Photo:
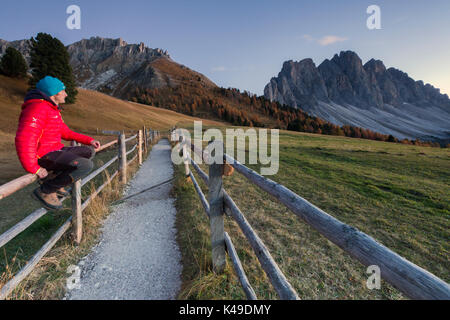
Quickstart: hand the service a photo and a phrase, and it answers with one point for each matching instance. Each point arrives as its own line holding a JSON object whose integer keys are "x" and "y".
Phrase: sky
{"x": 243, "y": 44}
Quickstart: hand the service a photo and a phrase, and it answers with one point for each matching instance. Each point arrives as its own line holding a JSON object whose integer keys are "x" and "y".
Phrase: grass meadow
{"x": 398, "y": 194}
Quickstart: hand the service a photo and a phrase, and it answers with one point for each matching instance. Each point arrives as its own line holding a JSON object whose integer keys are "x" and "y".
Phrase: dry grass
{"x": 198, "y": 279}
{"x": 91, "y": 111}
{"x": 392, "y": 192}
{"x": 180, "y": 73}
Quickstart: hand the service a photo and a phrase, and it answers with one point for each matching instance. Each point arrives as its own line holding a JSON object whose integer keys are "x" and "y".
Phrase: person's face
{"x": 60, "y": 97}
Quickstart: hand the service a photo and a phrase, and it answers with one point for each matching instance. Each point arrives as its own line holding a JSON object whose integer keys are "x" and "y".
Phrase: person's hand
{"x": 95, "y": 144}
{"x": 42, "y": 173}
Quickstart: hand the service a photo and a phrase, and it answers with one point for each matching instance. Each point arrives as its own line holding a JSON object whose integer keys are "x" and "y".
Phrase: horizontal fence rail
{"x": 132, "y": 159}
{"x": 11, "y": 284}
{"x": 111, "y": 132}
{"x": 107, "y": 145}
{"x": 75, "y": 221}
{"x": 131, "y": 138}
{"x": 22, "y": 225}
{"x": 16, "y": 184}
{"x": 98, "y": 171}
{"x": 132, "y": 149}
{"x": 410, "y": 279}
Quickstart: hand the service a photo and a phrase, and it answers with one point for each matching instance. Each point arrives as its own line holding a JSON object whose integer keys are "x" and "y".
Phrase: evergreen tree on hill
{"x": 49, "y": 57}
{"x": 13, "y": 64}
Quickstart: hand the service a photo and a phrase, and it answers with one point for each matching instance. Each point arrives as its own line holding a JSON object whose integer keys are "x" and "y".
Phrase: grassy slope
{"x": 395, "y": 193}
{"x": 91, "y": 111}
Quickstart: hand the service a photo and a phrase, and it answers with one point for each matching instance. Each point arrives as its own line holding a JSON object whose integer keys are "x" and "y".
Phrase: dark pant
{"x": 67, "y": 165}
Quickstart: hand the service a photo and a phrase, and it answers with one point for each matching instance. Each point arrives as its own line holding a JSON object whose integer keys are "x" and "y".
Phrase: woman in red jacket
{"x": 39, "y": 147}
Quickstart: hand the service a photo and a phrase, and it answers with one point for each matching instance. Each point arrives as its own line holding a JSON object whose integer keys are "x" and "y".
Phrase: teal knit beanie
{"x": 50, "y": 85}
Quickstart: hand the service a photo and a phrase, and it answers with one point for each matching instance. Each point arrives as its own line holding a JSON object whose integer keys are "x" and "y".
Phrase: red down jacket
{"x": 40, "y": 130}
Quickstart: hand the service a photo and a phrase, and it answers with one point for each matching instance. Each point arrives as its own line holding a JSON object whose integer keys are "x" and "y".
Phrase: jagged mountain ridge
{"x": 24, "y": 46}
{"x": 344, "y": 91}
{"x": 115, "y": 67}
{"x": 100, "y": 63}
{"x": 118, "y": 68}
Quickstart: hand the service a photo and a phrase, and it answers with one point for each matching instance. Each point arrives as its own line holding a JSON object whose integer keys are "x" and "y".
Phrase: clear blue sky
{"x": 243, "y": 44}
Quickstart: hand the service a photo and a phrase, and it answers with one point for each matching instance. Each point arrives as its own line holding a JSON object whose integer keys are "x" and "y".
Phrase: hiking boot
{"x": 62, "y": 192}
{"x": 49, "y": 200}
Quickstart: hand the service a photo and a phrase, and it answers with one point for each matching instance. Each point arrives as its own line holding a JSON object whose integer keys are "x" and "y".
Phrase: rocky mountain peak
{"x": 343, "y": 81}
{"x": 102, "y": 63}
{"x": 375, "y": 66}
{"x": 347, "y": 58}
{"x": 24, "y": 46}
{"x": 288, "y": 65}
{"x": 122, "y": 43}
{"x": 351, "y": 64}
{"x": 304, "y": 77}
{"x": 141, "y": 47}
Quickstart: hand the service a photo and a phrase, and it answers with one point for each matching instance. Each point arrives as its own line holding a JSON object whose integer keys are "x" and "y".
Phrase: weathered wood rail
{"x": 412, "y": 280}
{"x": 144, "y": 137}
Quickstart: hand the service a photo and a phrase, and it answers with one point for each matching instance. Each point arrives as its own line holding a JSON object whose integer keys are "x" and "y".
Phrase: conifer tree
{"x": 13, "y": 64}
{"x": 49, "y": 57}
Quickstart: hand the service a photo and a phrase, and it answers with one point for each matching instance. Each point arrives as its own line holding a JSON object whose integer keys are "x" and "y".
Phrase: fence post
{"x": 77, "y": 217}
{"x": 144, "y": 132}
{"x": 122, "y": 158}
{"x": 185, "y": 156}
{"x": 140, "y": 146}
{"x": 215, "y": 198}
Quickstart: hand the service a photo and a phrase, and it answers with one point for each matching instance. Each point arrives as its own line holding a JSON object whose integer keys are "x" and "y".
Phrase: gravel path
{"x": 137, "y": 256}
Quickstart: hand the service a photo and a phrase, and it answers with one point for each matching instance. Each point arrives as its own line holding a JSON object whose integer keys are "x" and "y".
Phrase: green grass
{"x": 397, "y": 194}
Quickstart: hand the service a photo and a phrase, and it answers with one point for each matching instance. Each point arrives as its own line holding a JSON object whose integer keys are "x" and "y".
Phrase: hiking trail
{"x": 137, "y": 256}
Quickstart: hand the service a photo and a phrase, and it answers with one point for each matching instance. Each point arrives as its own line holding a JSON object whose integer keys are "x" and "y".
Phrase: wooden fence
{"x": 144, "y": 138}
{"x": 410, "y": 279}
